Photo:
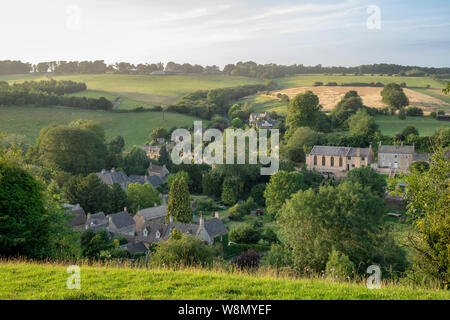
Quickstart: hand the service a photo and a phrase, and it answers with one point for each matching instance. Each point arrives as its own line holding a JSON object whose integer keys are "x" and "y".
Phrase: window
{"x": 362, "y": 158}
{"x": 406, "y": 156}
{"x": 323, "y": 160}
{"x": 395, "y": 156}
{"x": 349, "y": 158}
{"x": 145, "y": 233}
{"x": 340, "y": 162}
{"x": 158, "y": 235}
{"x": 315, "y": 160}
{"x": 332, "y": 161}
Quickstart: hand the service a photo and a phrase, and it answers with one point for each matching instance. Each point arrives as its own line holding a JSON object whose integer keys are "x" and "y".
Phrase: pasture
{"x": 391, "y": 125}
{"x": 21, "y": 280}
{"x": 144, "y": 90}
{"x": 134, "y": 127}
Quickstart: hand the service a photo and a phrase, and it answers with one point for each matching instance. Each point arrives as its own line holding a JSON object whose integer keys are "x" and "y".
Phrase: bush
{"x": 414, "y": 112}
{"x": 318, "y": 84}
{"x": 248, "y": 259}
{"x": 433, "y": 114}
{"x": 245, "y": 234}
{"x": 257, "y": 193}
{"x": 339, "y": 265}
{"x": 235, "y": 213}
{"x": 235, "y": 249}
{"x": 269, "y": 236}
{"x": 278, "y": 257}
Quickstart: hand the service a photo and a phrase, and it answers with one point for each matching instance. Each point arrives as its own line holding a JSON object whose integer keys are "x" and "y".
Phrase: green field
{"x": 145, "y": 90}
{"x": 134, "y": 127}
{"x": 309, "y": 79}
{"x": 391, "y": 125}
{"x": 20, "y": 280}
{"x": 262, "y": 103}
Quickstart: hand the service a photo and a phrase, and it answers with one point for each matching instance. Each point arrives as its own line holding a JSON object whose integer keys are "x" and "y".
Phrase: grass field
{"x": 145, "y": 90}
{"x": 309, "y": 79}
{"x": 262, "y": 103}
{"x": 134, "y": 127}
{"x": 391, "y": 125}
{"x": 19, "y": 280}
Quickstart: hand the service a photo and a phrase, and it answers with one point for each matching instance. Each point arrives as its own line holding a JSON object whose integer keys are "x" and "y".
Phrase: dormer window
{"x": 145, "y": 233}
{"x": 158, "y": 235}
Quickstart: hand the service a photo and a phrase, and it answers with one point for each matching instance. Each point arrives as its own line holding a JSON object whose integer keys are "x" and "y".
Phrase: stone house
{"x": 78, "y": 215}
{"x": 338, "y": 161}
{"x": 393, "y": 159}
{"x": 161, "y": 171}
{"x": 258, "y": 116}
{"x": 96, "y": 221}
{"x": 121, "y": 223}
{"x": 111, "y": 177}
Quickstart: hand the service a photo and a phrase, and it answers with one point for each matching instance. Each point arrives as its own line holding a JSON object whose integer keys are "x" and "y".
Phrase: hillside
{"x": 20, "y": 280}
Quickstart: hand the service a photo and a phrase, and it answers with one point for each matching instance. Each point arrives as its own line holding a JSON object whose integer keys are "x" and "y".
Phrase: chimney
{"x": 202, "y": 221}
{"x": 216, "y": 215}
{"x": 113, "y": 170}
{"x": 170, "y": 219}
{"x": 358, "y": 152}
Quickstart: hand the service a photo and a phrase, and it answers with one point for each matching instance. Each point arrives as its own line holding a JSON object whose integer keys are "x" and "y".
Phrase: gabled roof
{"x": 110, "y": 178}
{"x": 396, "y": 149}
{"x": 339, "y": 151}
{"x": 155, "y": 180}
{"x": 421, "y": 157}
{"x": 215, "y": 227}
{"x": 153, "y": 212}
{"x": 134, "y": 248}
{"x": 122, "y": 219}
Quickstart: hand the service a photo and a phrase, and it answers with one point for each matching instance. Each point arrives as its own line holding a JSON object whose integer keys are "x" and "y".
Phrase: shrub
{"x": 235, "y": 213}
{"x": 278, "y": 257}
{"x": 269, "y": 236}
{"x": 339, "y": 265}
{"x": 318, "y": 84}
{"x": 414, "y": 112}
{"x": 433, "y": 114}
{"x": 257, "y": 193}
{"x": 248, "y": 259}
{"x": 245, "y": 234}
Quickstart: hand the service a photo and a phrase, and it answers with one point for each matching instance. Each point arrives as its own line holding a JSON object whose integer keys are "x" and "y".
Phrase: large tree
{"x": 362, "y": 124}
{"x": 368, "y": 177}
{"x": 142, "y": 196}
{"x": 428, "y": 194}
{"x": 179, "y": 206}
{"x": 303, "y": 111}
{"x": 136, "y": 162}
{"x": 393, "y": 95}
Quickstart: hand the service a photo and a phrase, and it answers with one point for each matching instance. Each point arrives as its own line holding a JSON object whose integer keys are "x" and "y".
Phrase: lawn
{"x": 263, "y": 103}
{"x": 310, "y": 79}
{"x": 145, "y": 89}
{"x": 391, "y": 125}
{"x": 20, "y": 280}
{"x": 134, "y": 127}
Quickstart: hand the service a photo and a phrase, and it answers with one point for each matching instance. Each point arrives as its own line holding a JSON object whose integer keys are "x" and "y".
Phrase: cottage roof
{"x": 215, "y": 227}
{"x": 153, "y": 212}
{"x": 421, "y": 157}
{"x": 79, "y": 216}
{"x": 396, "y": 149}
{"x": 110, "y": 178}
{"x": 339, "y": 151}
{"x": 134, "y": 248}
{"x": 121, "y": 219}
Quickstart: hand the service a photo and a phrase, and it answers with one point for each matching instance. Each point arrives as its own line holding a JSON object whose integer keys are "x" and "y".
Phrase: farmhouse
{"x": 393, "y": 159}
{"x": 338, "y": 161}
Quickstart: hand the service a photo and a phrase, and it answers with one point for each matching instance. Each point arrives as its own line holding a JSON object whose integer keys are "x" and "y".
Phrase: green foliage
{"x": 283, "y": 184}
{"x": 118, "y": 198}
{"x": 187, "y": 251}
{"x": 269, "y": 236}
{"x": 393, "y": 95}
{"x": 428, "y": 193}
{"x": 368, "y": 177}
{"x": 114, "y": 156}
{"x": 278, "y": 257}
{"x": 142, "y": 196}
{"x": 136, "y": 162}
{"x": 237, "y": 123}
{"x": 257, "y": 193}
{"x": 176, "y": 176}
{"x": 235, "y": 213}
{"x": 349, "y": 105}
{"x": 303, "y": 111}
{"x": 93, "y": 244}
{"x": 78, "y": 148}
{"x": 414, "y": 112}
{"x": 299, "y": 144}
{"x": 176, "y": 234}
{"x": 410, "y": 130}
{"x": 179, "y": 206}
{"x": 228, "y": 193}
{"x": 245, "y": 234}
{"x": 362, "y": 124}
{"x": 339, "y": 266}
{"x": 419, "y": 166}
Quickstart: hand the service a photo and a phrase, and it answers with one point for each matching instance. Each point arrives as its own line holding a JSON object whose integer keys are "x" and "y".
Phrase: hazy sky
{"x": 220, "y": 32}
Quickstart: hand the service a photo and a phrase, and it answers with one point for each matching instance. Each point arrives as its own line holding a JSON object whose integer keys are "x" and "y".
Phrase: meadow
{"x": 22, "y": 280}
{"x": 134, "y": 127}
{"x": 391, "y": 125}
{"x": 144, "y": 90}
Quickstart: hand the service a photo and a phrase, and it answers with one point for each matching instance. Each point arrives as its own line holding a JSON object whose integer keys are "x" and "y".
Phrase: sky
{"x": 207, "y": 32}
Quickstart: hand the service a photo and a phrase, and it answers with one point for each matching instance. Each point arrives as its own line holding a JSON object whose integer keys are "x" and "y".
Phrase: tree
{"x": 228, "y": 193}
{"x": 90, "y": 192}
{"x": 303, "y": 111}
{"x": 93, "y": 244}
{"x": 245, "y": 234}
{"x": 237, "y": 123}
{"x": 164, "y": 157}
{"x": 283, "y": 184}
{"x": 158, "y": 133}
{"x": 257, "y": 193}
{"x": 142, "y": 196}
{"x": 177, "y": 175}
{"x": 179, "y": 206}
{"x": 368, "y": 177}
{"x": 78, "y": 148}
{"x": 115, "y": 149}
{"x": 300, "y": 143}
{"x": 428, "y": 193}
{"x": 347, "y": 218}
{"x": 187, "y": 251}
{"x": 136, "y": 162}
{"x": 393, "y": 95}
{"x": 410, "y": 130}
{"x": 362, "y": 124}
{"x": 118, "y": 198}
{"x": 349, "y": 105}
{"x": 24, "y": 228}
{"x": 248, "y": 259}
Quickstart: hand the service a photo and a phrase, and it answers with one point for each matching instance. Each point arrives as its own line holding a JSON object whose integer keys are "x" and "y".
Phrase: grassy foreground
{"x": 21, "y": 280}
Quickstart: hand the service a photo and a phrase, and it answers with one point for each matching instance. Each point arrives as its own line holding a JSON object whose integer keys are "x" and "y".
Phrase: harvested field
{"x": 330, "y": 96}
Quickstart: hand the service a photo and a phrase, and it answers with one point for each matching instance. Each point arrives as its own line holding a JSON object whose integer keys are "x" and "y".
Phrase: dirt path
{"x": 116, "y": 103}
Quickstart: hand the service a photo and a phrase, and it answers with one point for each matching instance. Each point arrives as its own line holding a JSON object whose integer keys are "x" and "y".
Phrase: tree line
{"x": 247, "y": 69}
{"x": 49, "y": 93}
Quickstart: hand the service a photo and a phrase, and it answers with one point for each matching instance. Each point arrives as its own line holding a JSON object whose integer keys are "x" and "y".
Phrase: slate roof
{"x": 134, "y": 248}
{"x": 215, "y": 227}
{"x": 121, "y": 219}
{"x": 339, "y": 151}
{"x": 364, "y": 152}
{"x": 79, "y": 216}
{"x": 153, "y": 212}
{"x": 155, "y": 180}
{"x": 421, "y": 157}
{"x": 396, "y": 149}
{"x": 110, "y": 178}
